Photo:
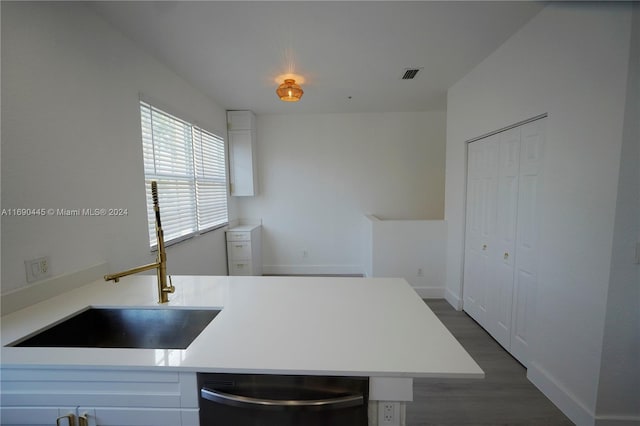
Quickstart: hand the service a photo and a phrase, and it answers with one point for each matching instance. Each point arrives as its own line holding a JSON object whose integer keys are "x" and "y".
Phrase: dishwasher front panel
{"x": 282, "y": 400}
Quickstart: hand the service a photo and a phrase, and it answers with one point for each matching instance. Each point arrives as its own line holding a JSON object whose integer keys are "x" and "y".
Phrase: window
{"x": 189, "y": 165}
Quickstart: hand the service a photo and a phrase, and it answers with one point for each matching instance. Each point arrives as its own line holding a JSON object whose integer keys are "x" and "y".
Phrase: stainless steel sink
{"x": 141, "y": 328}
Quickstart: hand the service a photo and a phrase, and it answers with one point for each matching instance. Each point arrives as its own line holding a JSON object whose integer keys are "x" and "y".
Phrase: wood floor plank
{"x": 504, "y": 397}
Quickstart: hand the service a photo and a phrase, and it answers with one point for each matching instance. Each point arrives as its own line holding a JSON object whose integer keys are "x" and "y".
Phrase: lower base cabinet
{"x": 244, "y": 250}
{"x": 37, "y": 397}
{"x": 98, "y": 416}
{"x": 35, "y": 416}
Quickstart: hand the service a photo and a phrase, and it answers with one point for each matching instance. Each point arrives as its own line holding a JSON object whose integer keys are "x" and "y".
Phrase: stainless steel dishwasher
{"x": 282, "y": 400}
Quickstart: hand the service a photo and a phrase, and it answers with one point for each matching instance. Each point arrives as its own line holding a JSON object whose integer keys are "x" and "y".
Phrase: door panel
{"x": 504, "y": 256}
{"x": 481, "y": 226}
{"x": 526, "y": 277}
{"x": 474, "y": 229}
{"x": 526, "y": 283}
{"x": 489, "y": 228}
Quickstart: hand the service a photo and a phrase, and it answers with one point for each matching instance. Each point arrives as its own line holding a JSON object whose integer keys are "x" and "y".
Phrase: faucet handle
{"x": 170, "y": 288}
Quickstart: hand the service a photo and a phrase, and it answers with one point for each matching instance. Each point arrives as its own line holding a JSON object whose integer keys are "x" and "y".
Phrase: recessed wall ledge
{"x": 378, "y": 218}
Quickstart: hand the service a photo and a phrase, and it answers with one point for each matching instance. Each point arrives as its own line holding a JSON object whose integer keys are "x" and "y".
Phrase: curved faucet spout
{"x": 161, "y": 263}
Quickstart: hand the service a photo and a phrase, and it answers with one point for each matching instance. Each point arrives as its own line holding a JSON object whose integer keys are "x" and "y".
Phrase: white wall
{"x": 619, "y": 387}
{"x": 71, "y": 139}
{"x": 571, "y": 62}
{"x": 320, "y": 173}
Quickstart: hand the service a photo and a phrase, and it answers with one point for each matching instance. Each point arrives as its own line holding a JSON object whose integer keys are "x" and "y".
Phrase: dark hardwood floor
{"x": 504, "y": 397}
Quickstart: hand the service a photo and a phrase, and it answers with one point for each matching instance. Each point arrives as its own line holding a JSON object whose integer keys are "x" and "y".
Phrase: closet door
{"x": 526, "y": 276}
{"x": 501, "y": 241}
{"x": 503, "y": 252}
{"x": 481, "y": 225}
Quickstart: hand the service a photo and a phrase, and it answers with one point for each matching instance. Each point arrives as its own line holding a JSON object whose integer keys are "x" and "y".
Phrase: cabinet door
{"x": 110, "y": 416}
{"x": 503, "y": 256}
{"x": 241, "y": 162}
{"x": 33, "y": 416}
{"x": 526, "y": 276}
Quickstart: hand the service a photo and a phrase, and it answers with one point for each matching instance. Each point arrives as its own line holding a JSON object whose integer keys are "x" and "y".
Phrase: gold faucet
{"x": 161, "y": 263}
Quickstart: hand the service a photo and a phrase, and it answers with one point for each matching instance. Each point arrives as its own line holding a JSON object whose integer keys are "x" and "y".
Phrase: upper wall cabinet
{"x": 243, "y": 176}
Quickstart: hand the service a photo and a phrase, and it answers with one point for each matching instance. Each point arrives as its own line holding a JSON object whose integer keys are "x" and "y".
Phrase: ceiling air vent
{"x": 410, "y": 73}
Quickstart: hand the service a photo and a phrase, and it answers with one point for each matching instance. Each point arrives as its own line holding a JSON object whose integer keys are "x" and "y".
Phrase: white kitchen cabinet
{"x": 240, "y": 120}
{"x": 35, "y": 416}
{"x": 104, "y": 397}
{"x": 243, "y": 176}
{"x": 99, "y": 416}
{"x": 500, "y": 268}
{"x": 244, "y": 250}
{"x": 109, "y": 416}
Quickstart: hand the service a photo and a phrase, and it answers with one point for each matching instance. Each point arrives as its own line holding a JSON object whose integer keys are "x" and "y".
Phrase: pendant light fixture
{"x": 289, "y": 91}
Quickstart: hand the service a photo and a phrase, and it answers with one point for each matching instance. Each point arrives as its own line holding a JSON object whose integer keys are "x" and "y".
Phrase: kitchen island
{"x": 366, "y": 327}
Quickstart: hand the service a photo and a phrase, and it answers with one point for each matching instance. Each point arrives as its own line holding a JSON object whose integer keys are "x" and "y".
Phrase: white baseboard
{"x": 560, "y": 396}
{"x": 453, "y": 300}
{"x": 37, "y": 292}
{"x": 617, "y": 421}
{"x": 430, "y": 292}
{"x": 312, "y": 270}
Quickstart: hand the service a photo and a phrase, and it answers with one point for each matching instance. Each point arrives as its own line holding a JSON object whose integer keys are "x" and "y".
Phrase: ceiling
{"x": 351, "y": 55}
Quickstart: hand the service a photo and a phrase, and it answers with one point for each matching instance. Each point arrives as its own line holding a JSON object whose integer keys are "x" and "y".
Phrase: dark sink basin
{"x": 141, "y": 328}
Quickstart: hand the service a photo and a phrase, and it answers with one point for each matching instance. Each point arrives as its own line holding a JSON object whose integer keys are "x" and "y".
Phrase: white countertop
{"x": 376, "y": 327}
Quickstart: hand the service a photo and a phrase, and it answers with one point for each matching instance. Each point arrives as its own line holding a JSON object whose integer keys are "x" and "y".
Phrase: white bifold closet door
{"x": 503, "y": 181}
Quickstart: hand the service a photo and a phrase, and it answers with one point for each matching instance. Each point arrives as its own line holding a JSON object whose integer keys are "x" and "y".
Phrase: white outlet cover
{"x": 388, "y": 413}
{"x": 37, "y": 269}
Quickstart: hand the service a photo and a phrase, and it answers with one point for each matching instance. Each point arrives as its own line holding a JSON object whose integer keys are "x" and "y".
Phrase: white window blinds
{"x": 189, "y": 165}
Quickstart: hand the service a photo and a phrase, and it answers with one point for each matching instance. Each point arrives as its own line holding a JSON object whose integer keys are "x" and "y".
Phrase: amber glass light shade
{"x": 289, "y": 91}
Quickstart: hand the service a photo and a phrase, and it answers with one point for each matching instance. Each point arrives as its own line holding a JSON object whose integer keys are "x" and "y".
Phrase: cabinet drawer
{"x": 240, "y": 267}
{"x": 238, "y": 236}
{"x": 239, "y": 250}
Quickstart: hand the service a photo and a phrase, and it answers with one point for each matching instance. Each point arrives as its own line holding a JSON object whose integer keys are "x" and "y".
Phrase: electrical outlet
{"x": 44, "y": 266}
{"x": 305, "y": 254}
{"x": 420, "y": 272}
{"x": 388, "y": 413}
{"x": 37, "y": 269}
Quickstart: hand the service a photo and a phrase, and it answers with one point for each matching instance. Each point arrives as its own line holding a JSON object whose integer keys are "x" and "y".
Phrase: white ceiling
{"x": 233, "y": 51}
